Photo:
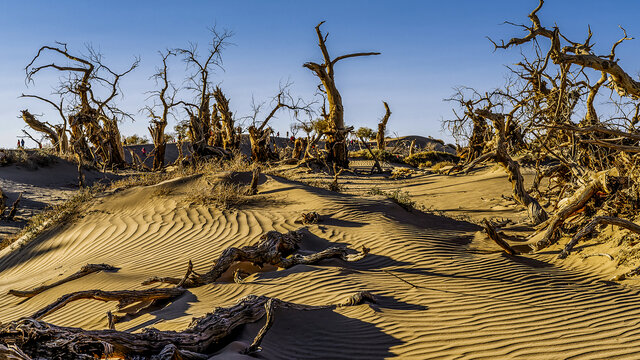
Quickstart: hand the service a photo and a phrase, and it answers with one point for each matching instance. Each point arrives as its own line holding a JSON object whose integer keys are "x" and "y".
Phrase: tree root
{"x": 14, "y": 208}
{"x": 573, "y": 204}
{"x": 206, "y": 334}
{"x": 274, "y": 248}
{"x": 587, "y": 229}
{"x": 124, "y": 297}
{"x": 85, "y": 270}
{"x": 493, "y": 235}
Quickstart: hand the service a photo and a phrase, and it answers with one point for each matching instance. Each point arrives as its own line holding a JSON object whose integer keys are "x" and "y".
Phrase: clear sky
{"x": 428, "y": 47}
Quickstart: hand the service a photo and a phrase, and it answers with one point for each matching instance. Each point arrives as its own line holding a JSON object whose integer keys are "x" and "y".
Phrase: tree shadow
{"x": 168, "y": 309}
{"x": 315, "y": 334}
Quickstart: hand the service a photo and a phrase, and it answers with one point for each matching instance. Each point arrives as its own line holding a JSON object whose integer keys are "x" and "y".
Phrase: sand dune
{"x": 443, "y": 290}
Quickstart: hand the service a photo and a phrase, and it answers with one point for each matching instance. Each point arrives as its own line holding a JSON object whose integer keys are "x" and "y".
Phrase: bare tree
{"x": 199, "y": 82}
{"x": 158, "y": 122}
{"x": 92, "y": 117}
{"x": 259, "y": 133}
{"x": 382, "y": 127}
{"x": 336, "y": 143}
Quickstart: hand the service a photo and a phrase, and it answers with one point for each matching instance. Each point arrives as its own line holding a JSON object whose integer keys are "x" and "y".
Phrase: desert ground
{"x": 440, "y": 288}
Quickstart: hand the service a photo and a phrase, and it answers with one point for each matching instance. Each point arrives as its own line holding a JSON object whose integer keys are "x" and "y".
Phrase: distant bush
{"x": 135, "y": 139}
{"x": 31, "y": 159}
{"x": 434, "y": 157}
{"x": 381, "y": 155}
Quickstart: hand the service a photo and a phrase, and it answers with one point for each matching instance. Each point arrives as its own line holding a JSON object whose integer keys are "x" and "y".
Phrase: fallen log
{"x": 493, "y": 235}
{"x": 39, "y": 339}
{"x": 587, "y": 229}
{"x": 14, "y": 208}
{"x": 123, "y": 297}
{"x": 274, "y": 248}
{"x": 84, "y": 271}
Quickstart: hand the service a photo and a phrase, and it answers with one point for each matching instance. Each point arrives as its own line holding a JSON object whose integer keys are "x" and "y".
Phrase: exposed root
{"x": 39, "y": 339}
{"x": 123, "y": 297}
{"x": 493, "y": 235}
{"x": 587, "y": 229}
{"x": 85, "y": 270}
{"x": 274, "y": 248}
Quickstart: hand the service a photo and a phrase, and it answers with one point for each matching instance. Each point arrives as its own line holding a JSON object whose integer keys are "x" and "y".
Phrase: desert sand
{"x": 443, "y": 290}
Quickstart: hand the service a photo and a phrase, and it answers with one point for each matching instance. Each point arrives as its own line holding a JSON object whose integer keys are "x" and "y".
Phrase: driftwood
{"x": 14, "y": 208}
{"x": 573, "y": 204}
{"x": 85, "y": 270}
{"x": 587, "y": 229}
{"x": 274, "y": 248}
{"x": 253, "y": 187}
{"x": 39, "y": 339}
{"x": 124, "y": 297}
{"x": 309, "y": 218}
{"x": 493, "y": 235}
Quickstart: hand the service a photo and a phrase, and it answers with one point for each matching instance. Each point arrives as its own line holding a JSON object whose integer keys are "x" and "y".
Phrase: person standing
{"x": 22, "y": 143}
{"x": 18, "y": 143}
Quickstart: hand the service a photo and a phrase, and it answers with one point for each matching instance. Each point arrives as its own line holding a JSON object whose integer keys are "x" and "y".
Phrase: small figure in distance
{"x": 22, "y": 143}
{"x": 144, "y": 151}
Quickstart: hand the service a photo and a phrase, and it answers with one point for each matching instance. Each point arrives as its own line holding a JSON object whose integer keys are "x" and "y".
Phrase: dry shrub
{"x": 222, "y": 194}
{"x": 31, "y": 159}
{"x": 423, "y": 157}
{"x": 441, "y": 165}
{"x": 401, "y": 173}
{"x": 399, "y": 197}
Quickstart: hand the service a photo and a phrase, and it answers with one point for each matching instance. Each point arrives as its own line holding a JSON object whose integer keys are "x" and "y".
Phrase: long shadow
{"x": 19, "y": 256}
{"x": 317, "y": 334}
{"x": 167, "y": 310}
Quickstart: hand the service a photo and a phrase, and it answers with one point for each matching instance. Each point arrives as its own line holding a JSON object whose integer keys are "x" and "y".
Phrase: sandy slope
{"x": 444, "y": 292}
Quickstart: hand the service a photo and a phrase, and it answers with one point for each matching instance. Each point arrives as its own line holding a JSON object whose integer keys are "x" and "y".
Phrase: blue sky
{"x": 428, "y": 47}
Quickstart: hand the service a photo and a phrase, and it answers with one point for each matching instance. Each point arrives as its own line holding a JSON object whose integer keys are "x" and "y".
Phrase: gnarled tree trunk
{"x": 382, "y": 127}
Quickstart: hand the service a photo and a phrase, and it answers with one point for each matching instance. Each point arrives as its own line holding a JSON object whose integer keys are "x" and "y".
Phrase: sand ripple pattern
{"x": 437, "y": 299}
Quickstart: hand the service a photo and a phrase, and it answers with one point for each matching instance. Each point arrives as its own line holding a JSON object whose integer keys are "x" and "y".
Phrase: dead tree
{"x": 42, "y": 127}
{"x": 158, "y": 123}
{"x": 500, "y": 154}
{"x": 335, "y": 139}
{"x": 382, "y": 127}
{"x": 200, "y": 84}
{"x": 259, "y": 134}
{"x": 230, "y": 135}
{"x": 62, "y": 145}
{"x": 92, "y": 119}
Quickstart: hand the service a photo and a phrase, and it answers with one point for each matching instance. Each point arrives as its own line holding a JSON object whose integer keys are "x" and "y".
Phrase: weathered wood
{"x": 536, "y": 212}
{"x": 591, "y": 226}
{"x": 255, "y": 345}
{"x": 573, "y": 204}
{"x": 382, "y": 127}
{"x": 14, "y": 208}
{"x": 123, "y": 297}
{"x": 335, "y": 141}
{"x": 376, "y": 163}
{"x": 255, "y": 177}
{"x": 84, "y": 271}
{"x": 493, "y": 235}
{"x": 206, "y": 334}
{"x": 274, "y": 248}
